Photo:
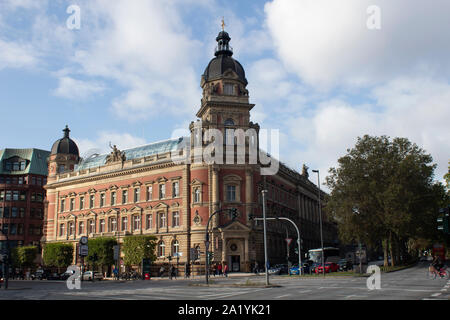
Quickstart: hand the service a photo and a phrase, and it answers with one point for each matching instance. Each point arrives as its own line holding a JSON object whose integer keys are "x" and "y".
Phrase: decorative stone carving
{"x": 115, "y": 156}
{"x": 305, "y": 171}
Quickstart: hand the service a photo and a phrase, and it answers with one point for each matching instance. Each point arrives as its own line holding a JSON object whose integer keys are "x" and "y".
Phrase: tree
{"x": 101, "y": 252}
{"x": 58, "y": 254}
{"x": 24, "y": 256}
{"x": 384, "y": 190}
{"x": 447, "y": 176}
{"x": 136, "y": 248}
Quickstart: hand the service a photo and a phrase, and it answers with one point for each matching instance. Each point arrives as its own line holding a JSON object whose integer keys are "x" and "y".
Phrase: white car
{"x": 92, "y": 275}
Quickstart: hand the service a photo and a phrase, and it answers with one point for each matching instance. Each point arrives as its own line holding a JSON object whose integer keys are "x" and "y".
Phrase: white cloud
{"x": 327, "y": 42}
{"x": 76, "y": 89}
{"x": 16, "y": 55}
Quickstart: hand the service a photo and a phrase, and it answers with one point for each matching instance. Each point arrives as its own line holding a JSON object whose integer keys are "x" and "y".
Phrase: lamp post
{"x": 265, "y": 236}
{"x": 320, "y": 218}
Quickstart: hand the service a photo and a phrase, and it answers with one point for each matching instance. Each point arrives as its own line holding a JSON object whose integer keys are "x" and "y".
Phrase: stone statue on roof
{"x": 115, "y": 155}
{"x": 305, "y": 171}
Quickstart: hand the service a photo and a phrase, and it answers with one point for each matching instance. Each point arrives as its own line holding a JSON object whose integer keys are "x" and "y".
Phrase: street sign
{"x": 288, "y": 241}
{"x": 84, "y": 240}
{"x": 84, "y": 250}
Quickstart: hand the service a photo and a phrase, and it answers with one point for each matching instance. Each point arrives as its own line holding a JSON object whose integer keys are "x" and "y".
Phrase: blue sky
{"x": 131, "y": 73}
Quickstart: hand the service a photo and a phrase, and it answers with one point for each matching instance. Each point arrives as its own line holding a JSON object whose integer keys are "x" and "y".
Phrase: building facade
{"x": 23, "y": 174}
{"x": 144, "y": 191}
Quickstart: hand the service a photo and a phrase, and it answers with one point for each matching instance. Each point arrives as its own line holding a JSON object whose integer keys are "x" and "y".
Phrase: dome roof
{"x": 65, "y": 145}
{"x": 223, "y": 61}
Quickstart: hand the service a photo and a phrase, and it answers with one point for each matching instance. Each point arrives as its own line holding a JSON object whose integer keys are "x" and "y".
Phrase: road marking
{"x": 304, "y": 291}
{"x": 436, "y": 294}
{"x": 285, "y": 295}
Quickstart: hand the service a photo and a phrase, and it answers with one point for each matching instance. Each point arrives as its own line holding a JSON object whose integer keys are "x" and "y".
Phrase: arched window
{"x": 161, "y": 249}
{"x": 229, "y": 122}
{"x": 175, "y": 247}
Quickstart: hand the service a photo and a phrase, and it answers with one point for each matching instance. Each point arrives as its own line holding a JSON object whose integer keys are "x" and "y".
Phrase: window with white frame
{"x": 102, "y": 225}
{"x": 81, "y": 227}
{"x": 124, "y": 223}
{"x": 124, "y": 196}
{"x": 72, "y": 204}
{"x": 63, "y": 203}
{"x": 71, "y": 228}
{"x": 197, "y": 193}
{"x": 175, "y": 247}
{"x": 149, "y": 221}
{"x": 161, "y": 249}
{"x": 61, "y": 229}
{"x": 136, "y": 222}
{"x": 162, "y": 191}
{"x": 91, "y": 201}
{"x": 137, "y": 193}
{"x": 175, "y": 189}
{"x": 231, "y": 193}
{"x": 175, "y": 219}
{"x": 112, "y": 224}
{"x": 92, "y": 226}
{"x": 162, "y": 219}
{"x": 81, "y": 203}
{"x": 113, "y": 198}
{"x": 149, "y": 192}
{"x": 102, "y": 199}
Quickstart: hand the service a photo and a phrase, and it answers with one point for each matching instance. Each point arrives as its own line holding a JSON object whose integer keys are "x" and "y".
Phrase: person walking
{"x": 161, "y": 271}
{"x": 255, "y": 268}
{"x": 214, "y": 269}
{"x": 186, "y": 270}
{"x": 225, "y": 270}
{"x": 219, "y": 269}
{"x": 170, "y": 272}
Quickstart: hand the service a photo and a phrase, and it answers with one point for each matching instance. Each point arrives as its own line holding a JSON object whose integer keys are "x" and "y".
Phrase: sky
{"x": 322, "y": 72}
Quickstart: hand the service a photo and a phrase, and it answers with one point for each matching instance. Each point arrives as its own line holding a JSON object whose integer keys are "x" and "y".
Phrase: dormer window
{"x": 228, "y": 89}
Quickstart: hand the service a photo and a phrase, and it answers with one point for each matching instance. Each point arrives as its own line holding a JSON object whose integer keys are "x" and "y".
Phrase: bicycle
{"x": 432, "y": 272}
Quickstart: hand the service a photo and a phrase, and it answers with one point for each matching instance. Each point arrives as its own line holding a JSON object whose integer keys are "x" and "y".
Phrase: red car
{"x": 329, "y": 267}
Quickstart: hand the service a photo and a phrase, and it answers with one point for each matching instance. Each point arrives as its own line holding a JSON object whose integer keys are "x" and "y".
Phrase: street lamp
{"x": 320, "y": 218}
{"x": 265, "y": 236}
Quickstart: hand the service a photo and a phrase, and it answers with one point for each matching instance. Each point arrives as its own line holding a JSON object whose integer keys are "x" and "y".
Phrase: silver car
{"x": 92, "y": 276}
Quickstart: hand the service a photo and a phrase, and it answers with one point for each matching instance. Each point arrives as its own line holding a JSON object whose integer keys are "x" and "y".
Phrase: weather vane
{"x": 223, "y": 24}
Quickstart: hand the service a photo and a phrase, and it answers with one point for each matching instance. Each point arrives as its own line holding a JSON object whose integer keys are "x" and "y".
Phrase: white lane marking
{"x": 436, "y": 294}
{"x": 304, "y": 291}
{"x": 284, "y": 295}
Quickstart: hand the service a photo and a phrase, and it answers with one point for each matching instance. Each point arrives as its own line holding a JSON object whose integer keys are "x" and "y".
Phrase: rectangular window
{"x": 102, "y": 225}
{"x": 33, "y": 197}
{"x": 2, "y": 195}
{"x": 112, "y": 224}
{"x": 81, "y": 227}
{"x": 13, "y": 229}
{"x": 22, "y": 165}
{"x": 231, "y": 193}
{"x": 72, "y": 204}
{"x": 81, "y": 203}
{"x": 137, "y": 193}
{"x": 1, "y": 212}
{"x": 228, "y": 89}
{"x": 124, "y": 196}
{"x": 20, "y": 180}
{"x": 136, "y": 223}
{"x": 113, "y": 198}
{"x": 149, "y": 219}
{"x": 33, "y": 180}
{"x": 6, "y": 228}
{"x": 20, "y": 228}
{"x": 63, "y": 202}
{"x": 162, "y": 220}
{"x": 102, "y": 199}
{"x": 91, "y": 201}
{"x": 8, "y": 180}
{"x": 91, "y": 226}
{"x": 6, "y": 212}
{"x": 162, "y": 191}
{"x": 14, "y": 212}
{"x": 71, "y": 228}
{"x": 23, "y": 196}
{"x": 8, "y": 195}
{"x": 61, "y": 229}
{"x": 176, "y": 219}
{"x": 22, "y": 212}
{"x": 175, "y": 189}
{"x": 15, "y": 195}
{"x": 124, "y": 223}
{"x": 39, "y": 197}
{"x": 149, "y": 193}
{"x": 197, "y": 195}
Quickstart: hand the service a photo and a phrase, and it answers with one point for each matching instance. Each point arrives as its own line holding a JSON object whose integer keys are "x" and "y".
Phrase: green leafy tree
{"x": 24, "y": 256}
{"x": 101, "y": 252}
{"x": 384, "y": 190}
{"x": 136, "y": 248}
{"x": 447, "y": 176}
{"x": 58, "y": 254}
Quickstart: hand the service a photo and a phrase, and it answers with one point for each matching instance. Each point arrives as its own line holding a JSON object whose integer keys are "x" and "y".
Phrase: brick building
{"x": 23, "y": 173}
{"x": 143, "y": 191}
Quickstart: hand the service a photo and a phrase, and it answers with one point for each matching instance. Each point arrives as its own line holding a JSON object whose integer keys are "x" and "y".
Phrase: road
{"x": 408, "y": 284}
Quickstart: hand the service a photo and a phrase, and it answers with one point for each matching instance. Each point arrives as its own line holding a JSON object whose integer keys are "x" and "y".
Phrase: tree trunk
{"x": 391, "y": 249}
{"x": 386, "y": 251}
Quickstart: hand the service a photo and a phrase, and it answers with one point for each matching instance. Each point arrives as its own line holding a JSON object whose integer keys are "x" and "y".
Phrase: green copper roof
{"x": 36, "y": 164}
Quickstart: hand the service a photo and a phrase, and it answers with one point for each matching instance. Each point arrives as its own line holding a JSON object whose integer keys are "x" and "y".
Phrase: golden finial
{"x": 223, "y": 24}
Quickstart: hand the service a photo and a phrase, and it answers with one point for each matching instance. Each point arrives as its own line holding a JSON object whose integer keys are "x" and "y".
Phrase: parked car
{"x": 345, "y": 265}
{"x": 295, "y": 270}
{"x": 274, "y": 270}
{"x": 66, "y": 275}
{"x": 41, "y": 274}
{"x": 329, "y": 267}
{"x": 92, "y": 276}
{"x": 54, "y": 276}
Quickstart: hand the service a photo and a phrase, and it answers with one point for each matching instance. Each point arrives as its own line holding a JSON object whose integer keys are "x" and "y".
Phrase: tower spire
{"x": 223, "y": 24}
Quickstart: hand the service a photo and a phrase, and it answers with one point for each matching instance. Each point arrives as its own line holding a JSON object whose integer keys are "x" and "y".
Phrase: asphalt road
{"x": 408, "y": 284}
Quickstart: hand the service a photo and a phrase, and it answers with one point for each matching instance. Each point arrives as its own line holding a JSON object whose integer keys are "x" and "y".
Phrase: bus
{"x": 331, "y": 255}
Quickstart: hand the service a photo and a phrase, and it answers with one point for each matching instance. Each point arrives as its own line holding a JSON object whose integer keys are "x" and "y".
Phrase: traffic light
{"x": 210, "y": 257}
{"x": 443, "y": 221}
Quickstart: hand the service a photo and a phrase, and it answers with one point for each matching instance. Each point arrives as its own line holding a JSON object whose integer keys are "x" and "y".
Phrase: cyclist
{"x": 437, "y": 264}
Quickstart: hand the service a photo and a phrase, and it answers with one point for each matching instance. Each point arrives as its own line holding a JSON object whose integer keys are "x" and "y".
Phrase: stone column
{"x": 246, "y": 255}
